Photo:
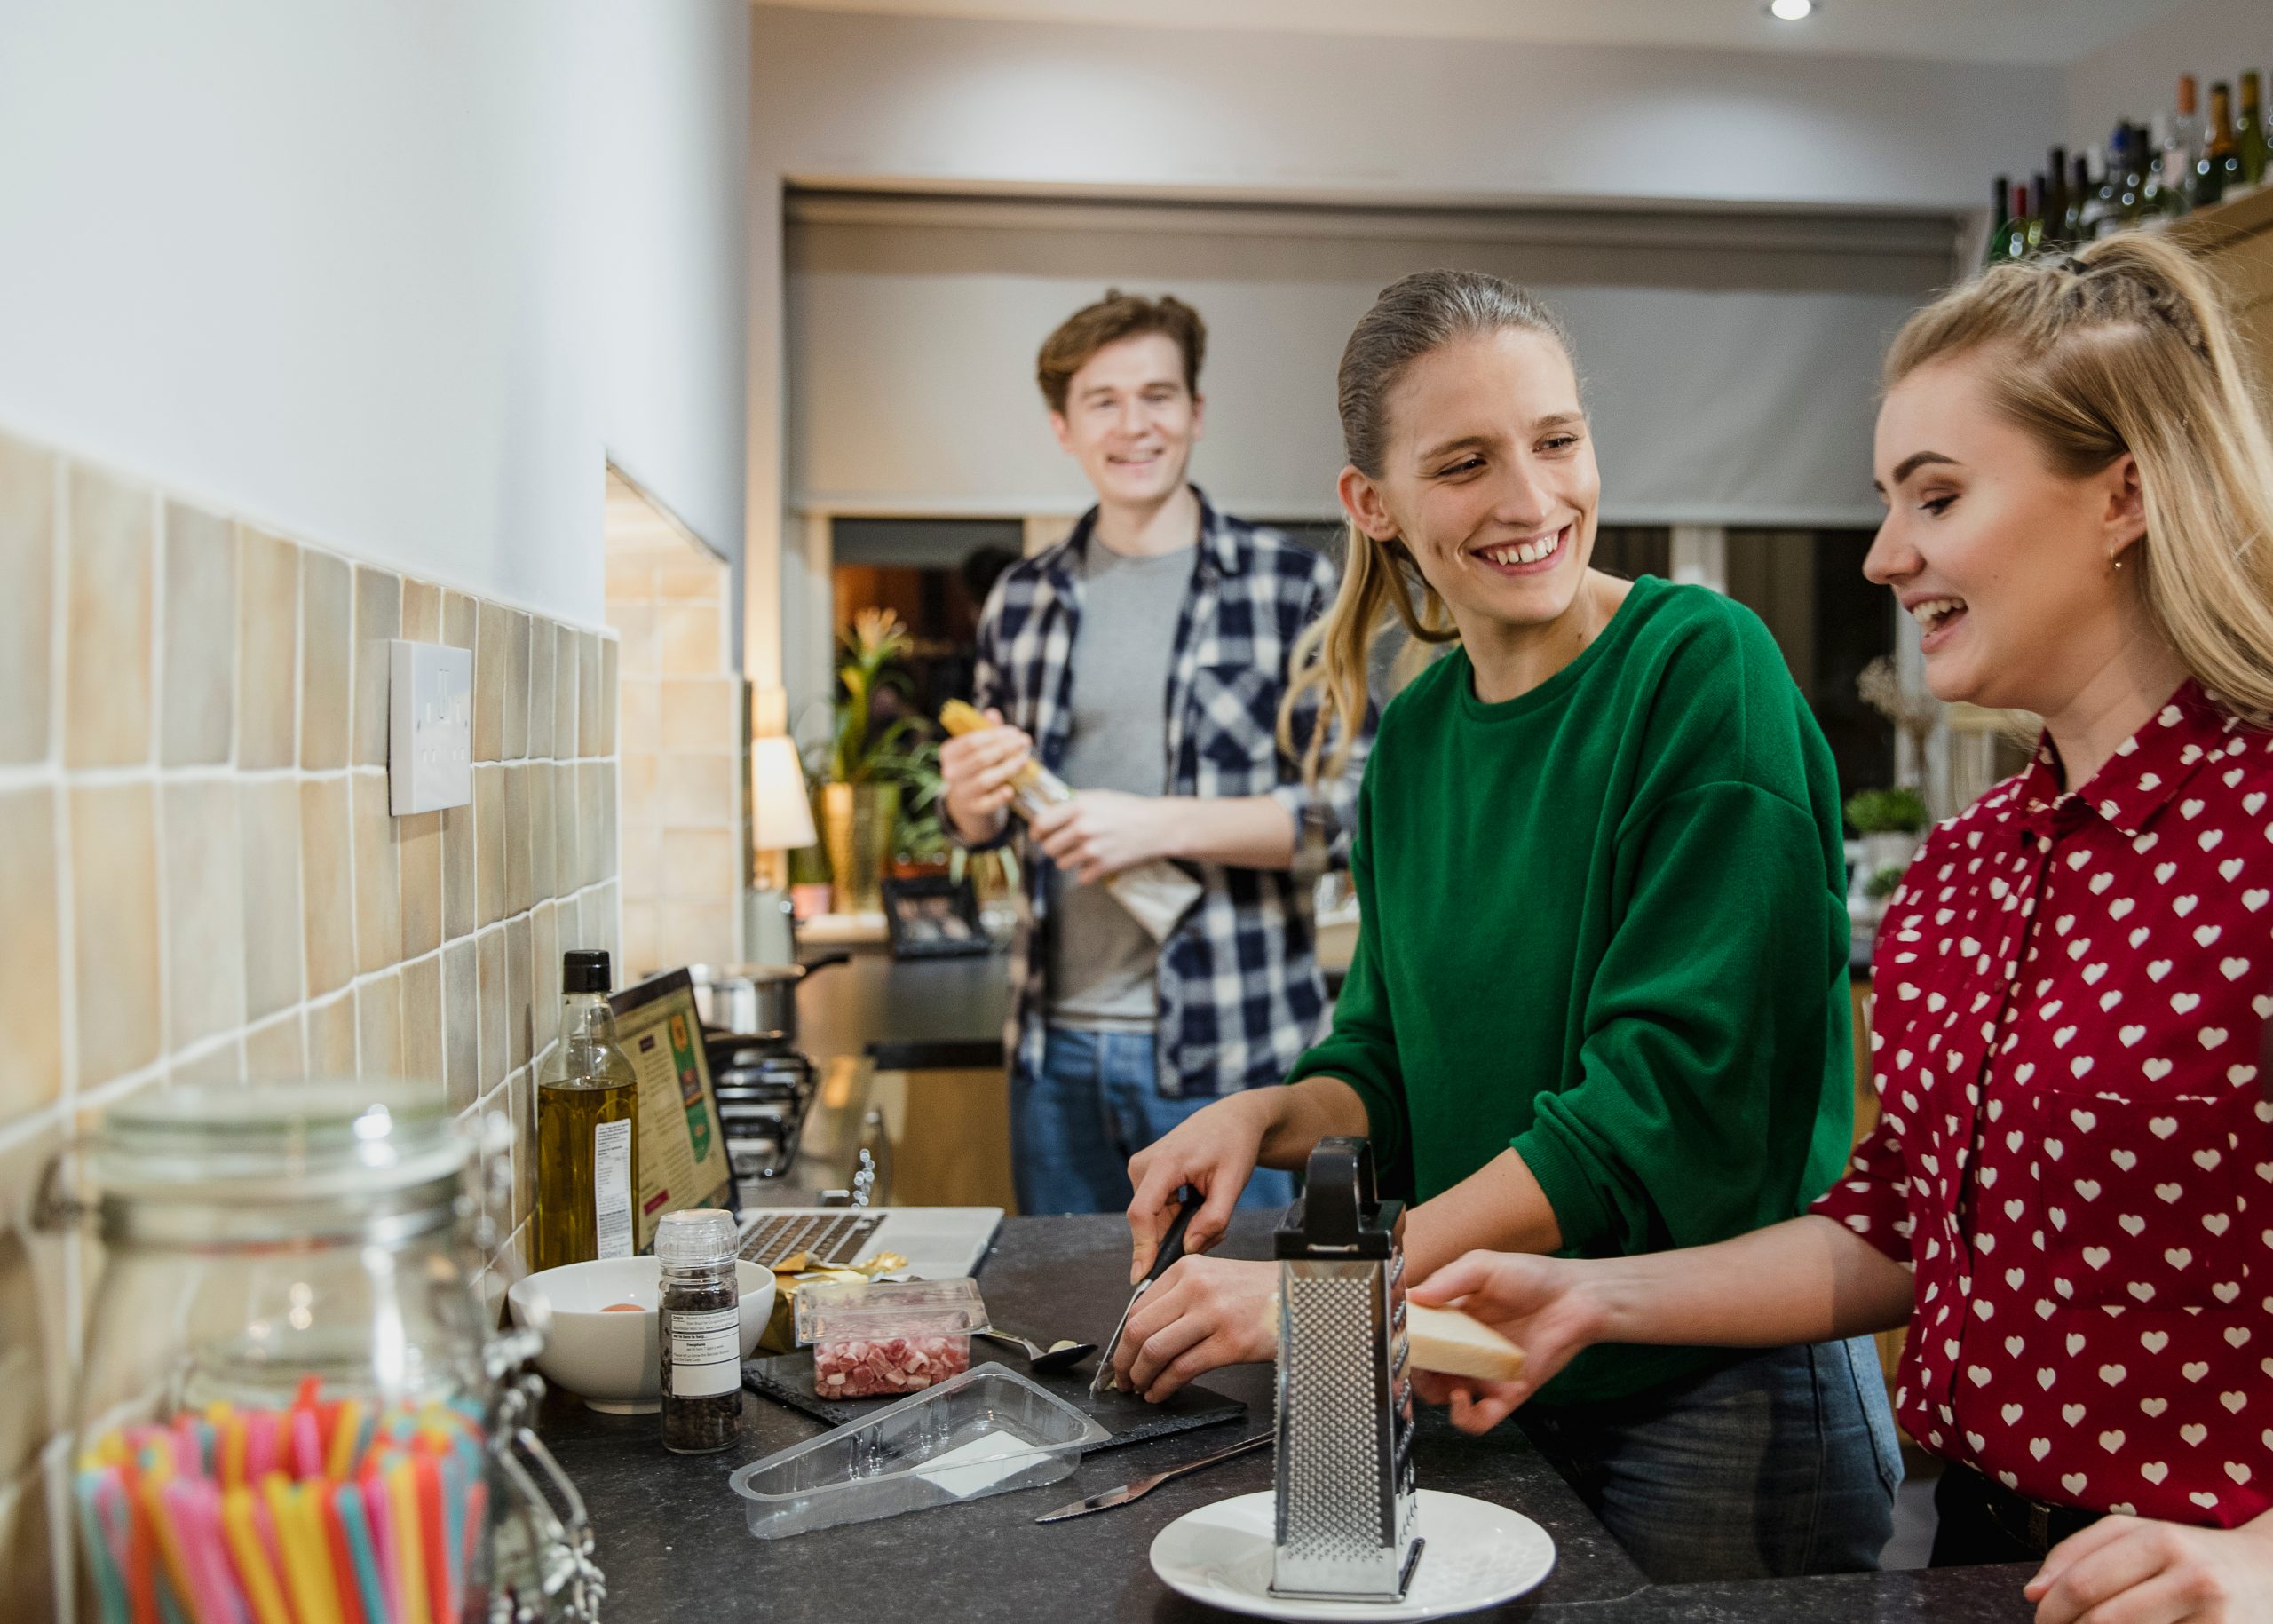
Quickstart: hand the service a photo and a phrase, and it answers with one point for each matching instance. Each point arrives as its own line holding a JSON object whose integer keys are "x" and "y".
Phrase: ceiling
{"x": 2044, "y": 32}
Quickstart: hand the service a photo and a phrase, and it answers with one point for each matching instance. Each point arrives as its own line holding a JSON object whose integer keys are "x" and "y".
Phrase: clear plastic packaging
{"x": 887, "y": 1339}
{"x": 987, "y": 1431}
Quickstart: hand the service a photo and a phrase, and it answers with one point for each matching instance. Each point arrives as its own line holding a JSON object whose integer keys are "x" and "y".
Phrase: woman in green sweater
{"x": 1599, "y": 1005}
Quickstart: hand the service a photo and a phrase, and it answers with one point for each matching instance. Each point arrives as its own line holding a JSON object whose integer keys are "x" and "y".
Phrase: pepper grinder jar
{"x": 699, "y": 1334}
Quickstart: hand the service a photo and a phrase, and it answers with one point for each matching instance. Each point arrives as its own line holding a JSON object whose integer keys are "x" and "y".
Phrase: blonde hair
{"x": 1414, "y": 316}
{"x": 2125, "y": 347}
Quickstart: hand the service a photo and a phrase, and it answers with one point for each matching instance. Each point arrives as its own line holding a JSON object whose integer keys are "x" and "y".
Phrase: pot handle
{"x": 823, "y": 961}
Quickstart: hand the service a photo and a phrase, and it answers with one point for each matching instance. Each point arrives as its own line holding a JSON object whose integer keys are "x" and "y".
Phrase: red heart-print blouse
{"x": 2076, "y": 1154}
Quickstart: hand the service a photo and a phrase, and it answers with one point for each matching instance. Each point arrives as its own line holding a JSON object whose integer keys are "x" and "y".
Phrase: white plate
{"x": 1478, "y": 1555}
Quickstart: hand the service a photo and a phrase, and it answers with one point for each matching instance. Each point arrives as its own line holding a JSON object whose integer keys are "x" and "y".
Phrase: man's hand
{"x": 1100, "y": 832}
{"x": 1204, "y": 1312}
{"x": 2129, "y": 1569}
{"x": 978, "y": 769}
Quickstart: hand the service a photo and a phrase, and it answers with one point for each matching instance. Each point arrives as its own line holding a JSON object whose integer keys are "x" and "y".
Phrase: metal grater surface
{"x": 828, "y": 1238}
{"x": 1332, "y": 1425}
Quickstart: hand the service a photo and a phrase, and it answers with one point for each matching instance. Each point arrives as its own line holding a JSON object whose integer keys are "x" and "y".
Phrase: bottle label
{"x": 706, "y": 1352}
{"x": 612, "y": 1187}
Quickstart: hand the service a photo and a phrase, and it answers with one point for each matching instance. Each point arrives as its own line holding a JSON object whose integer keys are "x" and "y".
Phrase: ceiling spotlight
{"x": 1790, "y": 11}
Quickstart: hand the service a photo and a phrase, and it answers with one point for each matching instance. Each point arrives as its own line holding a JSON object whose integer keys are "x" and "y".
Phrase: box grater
{"x": 1346, "y": 1528}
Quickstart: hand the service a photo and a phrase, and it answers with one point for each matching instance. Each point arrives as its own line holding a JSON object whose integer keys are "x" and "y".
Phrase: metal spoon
{"x": 1057, "y": 1356}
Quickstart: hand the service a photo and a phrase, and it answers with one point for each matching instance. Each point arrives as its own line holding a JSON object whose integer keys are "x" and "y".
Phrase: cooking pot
{"x": 749, "y": 998}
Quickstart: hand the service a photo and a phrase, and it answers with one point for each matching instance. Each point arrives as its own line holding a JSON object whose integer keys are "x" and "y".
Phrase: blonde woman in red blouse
{"x": 2068, "y": 1200}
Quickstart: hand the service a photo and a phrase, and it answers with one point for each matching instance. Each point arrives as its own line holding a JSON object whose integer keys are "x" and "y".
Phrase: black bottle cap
{"x": 585, "y": 970}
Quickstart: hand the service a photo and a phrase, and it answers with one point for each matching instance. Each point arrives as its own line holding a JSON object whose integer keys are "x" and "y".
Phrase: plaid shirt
{"x": 1240, "y": 995}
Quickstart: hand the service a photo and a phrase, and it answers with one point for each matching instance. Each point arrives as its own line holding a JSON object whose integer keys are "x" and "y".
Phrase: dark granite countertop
{"x": 908, "y": 1014}
{"x": 675, "y": 1546}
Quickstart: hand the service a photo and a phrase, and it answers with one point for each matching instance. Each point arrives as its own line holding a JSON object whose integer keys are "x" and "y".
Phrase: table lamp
{"x": 782, "y": 820}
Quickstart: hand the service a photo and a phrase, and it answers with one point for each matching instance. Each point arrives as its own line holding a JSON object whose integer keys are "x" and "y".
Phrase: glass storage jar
{"x": 290, "y": 1404}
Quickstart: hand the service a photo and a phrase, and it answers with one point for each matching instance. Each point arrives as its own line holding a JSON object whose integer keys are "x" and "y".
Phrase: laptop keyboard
{"x": 828, "y": 1238}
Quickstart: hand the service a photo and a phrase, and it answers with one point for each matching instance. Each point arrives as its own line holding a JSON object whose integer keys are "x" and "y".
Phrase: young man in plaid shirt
{"x": 1143, "y": 659}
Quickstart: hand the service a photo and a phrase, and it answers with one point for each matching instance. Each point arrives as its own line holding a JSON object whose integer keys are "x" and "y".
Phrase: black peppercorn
{"x": 700, "y": 1331}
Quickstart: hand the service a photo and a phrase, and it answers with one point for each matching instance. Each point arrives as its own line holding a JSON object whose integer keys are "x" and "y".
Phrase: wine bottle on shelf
{"x": 2054, "y": 209}
{"x": 2163, "y": 196}
{"x": 2107, "y": 205}
{"x": 2039, "y": 194}
{"x": 2187, "y": 127}
{"x": 2079, "y": 199}
{"x": 2010, "y": 240}
{"x": 2249, "y": 132}
{"x": 2135, "y": 175}
{"x": 2001, "y": 216}
{"x": 2221, "y": 165}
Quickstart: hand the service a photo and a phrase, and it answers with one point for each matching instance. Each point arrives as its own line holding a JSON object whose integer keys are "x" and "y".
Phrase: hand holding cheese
{"x": 1450, "y": 1343}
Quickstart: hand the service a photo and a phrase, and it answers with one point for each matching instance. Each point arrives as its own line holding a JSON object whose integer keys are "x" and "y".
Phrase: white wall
{"x": 2136, "y": 77}
{"x": 390, "y": 275}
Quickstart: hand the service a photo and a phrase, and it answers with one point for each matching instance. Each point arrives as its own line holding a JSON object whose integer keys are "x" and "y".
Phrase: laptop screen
{"x": 682, "y": 1148}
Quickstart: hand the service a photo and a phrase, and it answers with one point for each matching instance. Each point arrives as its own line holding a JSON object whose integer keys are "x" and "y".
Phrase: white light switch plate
{"x": 430, "y": 727}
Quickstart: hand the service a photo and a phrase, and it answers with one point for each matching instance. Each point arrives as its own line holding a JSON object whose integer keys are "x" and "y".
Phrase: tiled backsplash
{"x": 200, "y": 879}
{"x": 682, "y": 728}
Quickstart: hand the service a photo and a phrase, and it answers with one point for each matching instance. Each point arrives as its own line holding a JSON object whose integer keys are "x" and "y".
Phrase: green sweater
{"x": 1604, "y": 923}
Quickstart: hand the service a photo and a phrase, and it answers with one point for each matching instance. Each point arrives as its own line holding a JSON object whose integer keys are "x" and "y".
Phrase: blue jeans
{"x": 1785, "y": 1463}
{"x": 1097, "y": 1103}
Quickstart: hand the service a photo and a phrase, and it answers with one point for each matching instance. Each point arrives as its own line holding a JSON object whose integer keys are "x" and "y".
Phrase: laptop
{"x": 939, "y": 1242}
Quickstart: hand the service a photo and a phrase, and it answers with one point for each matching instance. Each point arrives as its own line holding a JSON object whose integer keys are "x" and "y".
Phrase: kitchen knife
{"x": 1171, "y": 1248}
{"x": 1128, "y": 1491}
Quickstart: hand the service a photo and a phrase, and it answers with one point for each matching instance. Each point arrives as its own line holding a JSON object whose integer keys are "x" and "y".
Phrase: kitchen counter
{"x": 907, "y": 1014}
{"x": 675, "y": 1546}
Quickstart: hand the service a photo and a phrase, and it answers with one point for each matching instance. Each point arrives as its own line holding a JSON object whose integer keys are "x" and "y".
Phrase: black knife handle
{"x": 1190, "y": 1202}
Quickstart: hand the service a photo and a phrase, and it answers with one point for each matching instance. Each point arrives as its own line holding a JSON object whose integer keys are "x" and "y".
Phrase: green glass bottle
{"x": 2221, "y": 165}
{"x": 2001, "y": 216}
{"x": 2249, "y": 132}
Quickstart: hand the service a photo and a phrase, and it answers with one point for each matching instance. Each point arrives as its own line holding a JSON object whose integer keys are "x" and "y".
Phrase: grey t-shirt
{"x": 1102, "y": 965}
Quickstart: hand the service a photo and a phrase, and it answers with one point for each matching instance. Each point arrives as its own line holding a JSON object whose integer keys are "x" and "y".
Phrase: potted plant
{"x": 869, "y": 761}
{"x": 923, "y": 847}
{"x": 1889, "y": 821}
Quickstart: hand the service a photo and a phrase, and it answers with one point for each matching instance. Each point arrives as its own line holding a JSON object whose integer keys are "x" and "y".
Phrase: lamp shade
{"x": 783, "y": 816}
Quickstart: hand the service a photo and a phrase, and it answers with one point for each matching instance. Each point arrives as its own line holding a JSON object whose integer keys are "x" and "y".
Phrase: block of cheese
{"x": 1450, "y": 1343}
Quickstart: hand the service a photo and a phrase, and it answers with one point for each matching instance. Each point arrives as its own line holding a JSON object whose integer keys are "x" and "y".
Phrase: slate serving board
{"x": 787, "y": 1378}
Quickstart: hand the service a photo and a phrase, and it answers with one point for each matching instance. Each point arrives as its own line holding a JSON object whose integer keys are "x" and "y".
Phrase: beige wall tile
{"x": 690, "y": 640}
{"x": 216, "y": 1068}
{"x": 643, "y": 939}
{"x": 378, "y": 617}
{"x": 692, "y": 581}
{"x": 641, "y": 857}
{"x": 378, "y": 877}
{"x": 331, "y": 1038}
{"x": 603, "y": 921}
{"x": 696, "y": 791}
{"x": 205, "y": 904}
{"x": 568, "y": 864}
{"x": 108, "y": 643}
{"x": 460, "y": 620}
{"x": 422, "y": 612}
{"x": 518, "y": 878}
{"x": 197, "y": 697}
{"x": 33, "y": 1349}
{"x": 489, "y": 843}
{"x": 31, "y": 997}
{"x": 328, "y": 882}
{"x": 543, "y": 837}
{"x": 268, "y": 644}
{"x": 702, "y": 866}
{"x": 628, "y": 580}
{"x": 607, "y": 857}
{"x": 461, "y": 896}
{"x": 276, "y": 1051}
{"x": 542, "y": 637}
{"x": 521, "y": 992}
{"x": 327, "y": 658}
{"x": 418, "y": 846}
{"x": 422, "y": 1020}
{"x": 610, "y": 696}
{"x": 641, "y": 789}
{"x": 694, "y": 932}
{"x": 115, "y": 904}
{"x": 591, "y": 817}
{"x": 516, "y": 686}
{"x": 378, "y": 1026}
{"x": 700, "y": 714}
{"x": 588, "y": 694}
{"x": 564, "y": 692}
{"x": 496, "y": 1005}
{"x": 568, "y": 924}
{"x": 461, "y": 1023}
{"x": 521, "y": 1099}
{"x": 634, "y": 625}
{"x": 268, "y": 814}
{"x": 545, "y": 958}
{"x": 27, "y": 607}
{"x": 489, "y": 662}
{"x": 640, "y": 704}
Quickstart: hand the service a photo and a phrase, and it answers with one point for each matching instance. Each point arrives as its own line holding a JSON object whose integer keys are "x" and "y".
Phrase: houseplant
{"x": 871, "y": 756}
{"x": 1889, "y": 821}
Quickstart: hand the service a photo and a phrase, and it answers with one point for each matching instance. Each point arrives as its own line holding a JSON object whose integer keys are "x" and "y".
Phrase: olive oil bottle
{"x": 586, "y": 1126}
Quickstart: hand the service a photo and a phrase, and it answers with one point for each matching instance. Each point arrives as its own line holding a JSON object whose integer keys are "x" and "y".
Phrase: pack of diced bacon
{"x": 888, "y": 1338}
{"x": 868, "y": 1367}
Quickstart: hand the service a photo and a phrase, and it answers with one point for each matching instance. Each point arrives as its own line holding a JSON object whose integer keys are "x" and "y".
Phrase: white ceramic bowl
{"x": 611, "y": 1360}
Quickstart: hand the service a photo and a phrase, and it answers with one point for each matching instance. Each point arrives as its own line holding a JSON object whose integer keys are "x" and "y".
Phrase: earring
{"x": 2113, "y": 561}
